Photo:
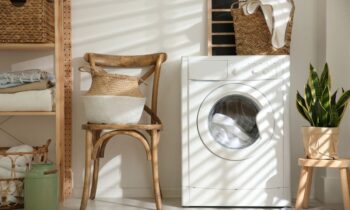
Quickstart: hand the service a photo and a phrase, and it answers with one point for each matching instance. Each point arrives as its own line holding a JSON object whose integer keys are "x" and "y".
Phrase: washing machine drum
{"x": 235, "y": 121}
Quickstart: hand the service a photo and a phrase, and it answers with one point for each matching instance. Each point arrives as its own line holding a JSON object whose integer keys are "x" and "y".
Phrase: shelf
{"x": 221, "y": 22}
{"x": 27, "y": 46}
{"x": 222, "y": 33}
{"x": 223, "y": 45}
{"x": 221, "y": 10}
{"x": 27, "y": 113}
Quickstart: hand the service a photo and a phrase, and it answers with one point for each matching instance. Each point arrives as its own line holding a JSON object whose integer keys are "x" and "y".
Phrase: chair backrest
{"x": 154, "y": 61}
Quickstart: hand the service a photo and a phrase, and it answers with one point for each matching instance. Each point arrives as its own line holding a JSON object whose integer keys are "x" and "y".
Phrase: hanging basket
{"x": 320, "y": 143}
{"x": 12, "y": 188}
{"x": 27, "y": 21}
{"x": 253, "y": 36}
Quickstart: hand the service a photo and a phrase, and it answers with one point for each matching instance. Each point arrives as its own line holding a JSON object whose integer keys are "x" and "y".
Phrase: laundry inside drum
{"x": 232, "y": 122}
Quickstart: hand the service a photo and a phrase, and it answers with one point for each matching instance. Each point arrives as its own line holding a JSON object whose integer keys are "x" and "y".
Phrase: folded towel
{"x": 36, "y": 100}
{"x": 41, "y": 85}
{"x": 13, "y": 79}
{"x": 277, "y": 14}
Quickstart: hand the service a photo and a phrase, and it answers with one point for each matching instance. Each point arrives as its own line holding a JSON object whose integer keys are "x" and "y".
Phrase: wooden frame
{"x": 226, "y": 46}
{"x": 307, "y": 168}
{"x": 63, "y": 85}
{"x": 95, "y": 143}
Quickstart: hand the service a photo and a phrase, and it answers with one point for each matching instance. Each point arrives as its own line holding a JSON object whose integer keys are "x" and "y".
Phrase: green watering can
{"x": 41, "y": 188}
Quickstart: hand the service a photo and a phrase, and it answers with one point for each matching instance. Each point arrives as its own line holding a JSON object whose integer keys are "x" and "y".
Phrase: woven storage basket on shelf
{"x": 31, "y": 22}
{"x": 40, "y": 155}
{"x": 253, "y": 36}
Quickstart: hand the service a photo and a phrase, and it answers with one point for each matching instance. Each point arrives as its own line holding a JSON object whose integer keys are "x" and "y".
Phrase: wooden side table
{"x": 307, "y": 167}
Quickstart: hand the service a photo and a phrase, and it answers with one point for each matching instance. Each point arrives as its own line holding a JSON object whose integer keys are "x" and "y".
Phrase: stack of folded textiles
{"x": 28, "y": 90}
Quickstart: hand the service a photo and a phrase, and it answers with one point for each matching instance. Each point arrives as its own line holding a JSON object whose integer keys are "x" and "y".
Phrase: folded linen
{"x": 41, "y": 85}
{"x": 36, "y": 100}
{"x": 13, "y": 79}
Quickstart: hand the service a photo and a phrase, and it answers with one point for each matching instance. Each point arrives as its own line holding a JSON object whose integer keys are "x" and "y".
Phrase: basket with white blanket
{"x": 263, "y": 27}
{"x": 15, "y": 162}
{"x": 114, "y": 96}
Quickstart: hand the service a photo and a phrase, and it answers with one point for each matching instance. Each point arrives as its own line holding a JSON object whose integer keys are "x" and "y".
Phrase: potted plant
{"x": 324, "y": 113}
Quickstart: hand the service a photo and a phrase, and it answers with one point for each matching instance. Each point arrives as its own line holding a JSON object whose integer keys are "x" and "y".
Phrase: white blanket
{"x": 20, "y": 162}
{"x": 229, "y": 133}
{"x": 38, "y": 100}
{"x": 277, "y": 15}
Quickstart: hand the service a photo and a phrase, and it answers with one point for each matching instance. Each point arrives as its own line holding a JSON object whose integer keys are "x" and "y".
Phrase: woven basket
{"x": 253, "y": 36}
{"x": 31, "y": 22}
{"x": 104, "y": 83}
{"x": 40, "y": 155}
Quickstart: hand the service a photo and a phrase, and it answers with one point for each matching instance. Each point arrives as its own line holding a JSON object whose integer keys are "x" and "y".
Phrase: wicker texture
{"x": 114, "y": 85}
{"x": 253, "y": 36}
{"x": 31, "y": 23}
{"x": 40, "y": 155}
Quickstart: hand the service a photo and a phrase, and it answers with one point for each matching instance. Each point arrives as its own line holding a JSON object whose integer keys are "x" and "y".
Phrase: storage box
{"x": 27, "y": 21}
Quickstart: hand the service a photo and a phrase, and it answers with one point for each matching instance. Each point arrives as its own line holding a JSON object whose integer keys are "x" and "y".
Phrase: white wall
{"x": 337, "y": 54}
{"x": 178, "y": 28}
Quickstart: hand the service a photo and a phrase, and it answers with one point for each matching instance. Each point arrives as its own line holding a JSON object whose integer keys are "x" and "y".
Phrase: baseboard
{"x": 133, "y": 193}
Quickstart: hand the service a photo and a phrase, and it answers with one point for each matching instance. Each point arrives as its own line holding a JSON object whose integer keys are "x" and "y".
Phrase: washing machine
{"x": 235, "y": 140}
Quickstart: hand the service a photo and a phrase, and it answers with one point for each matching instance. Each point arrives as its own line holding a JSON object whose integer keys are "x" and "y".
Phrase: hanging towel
{"x": 277, "y": 14}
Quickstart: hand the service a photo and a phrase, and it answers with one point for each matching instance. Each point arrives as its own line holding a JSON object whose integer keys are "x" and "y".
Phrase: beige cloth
{"x": 41, "y": 85}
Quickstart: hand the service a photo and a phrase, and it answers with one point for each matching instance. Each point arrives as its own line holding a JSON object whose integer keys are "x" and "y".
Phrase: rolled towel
{"x": 277, "y": 14}
{"x": 21, "y": 161}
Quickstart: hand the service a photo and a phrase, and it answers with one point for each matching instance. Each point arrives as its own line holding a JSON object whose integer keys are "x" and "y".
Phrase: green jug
{"x": 41, "y": 188}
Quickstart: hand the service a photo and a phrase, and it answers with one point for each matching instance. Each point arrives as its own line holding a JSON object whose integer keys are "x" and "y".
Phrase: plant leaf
{"x": 308, "y": 96}
{"x": 334, "y": 98}
{"x": 301, "y": 106}
{"x": 343, "y": 100}
{"x": 325, "y": 77}
{"x": 314, "y": 83}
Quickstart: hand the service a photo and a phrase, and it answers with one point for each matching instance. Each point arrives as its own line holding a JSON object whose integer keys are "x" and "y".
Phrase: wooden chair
{"x": 305, "y": 181}
{"x": 96, "y": 143}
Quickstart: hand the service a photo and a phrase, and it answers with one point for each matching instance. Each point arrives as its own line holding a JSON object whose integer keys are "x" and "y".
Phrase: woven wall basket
{"x": 253, "y": 36}
{"x": 26, "y": 21}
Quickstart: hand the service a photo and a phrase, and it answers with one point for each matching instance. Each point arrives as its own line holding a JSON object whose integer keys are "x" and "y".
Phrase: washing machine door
{"x": 235, "y": 121}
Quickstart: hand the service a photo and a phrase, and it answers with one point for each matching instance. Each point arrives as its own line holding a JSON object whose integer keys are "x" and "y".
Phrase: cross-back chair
{"x": 96, "y": 141}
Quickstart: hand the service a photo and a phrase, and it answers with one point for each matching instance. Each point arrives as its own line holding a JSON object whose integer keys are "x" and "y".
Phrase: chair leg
{"x": 96, "y": 136}
{"x": 345, "y": 188}
{"x": 95, "y": 178}
{"x": 155, "y": 175}
{"x": 308, "y": 188}
{"x": 88, "y": 152}
{"x": 302, "y": 188}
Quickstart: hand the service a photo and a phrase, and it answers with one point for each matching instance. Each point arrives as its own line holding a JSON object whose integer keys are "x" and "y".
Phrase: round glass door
{"x": 232, "y": 122}
{"x": 235, "y": 121}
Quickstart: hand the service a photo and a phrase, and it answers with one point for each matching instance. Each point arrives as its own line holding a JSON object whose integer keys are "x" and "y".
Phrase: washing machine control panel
{"x": 239, "y": 68}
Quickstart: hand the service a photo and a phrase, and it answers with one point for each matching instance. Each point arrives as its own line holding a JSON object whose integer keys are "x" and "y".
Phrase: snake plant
{"x": 318, "y": 106}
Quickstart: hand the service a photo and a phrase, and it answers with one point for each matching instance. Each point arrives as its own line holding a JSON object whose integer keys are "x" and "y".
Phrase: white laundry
{"x": 227, "y": 132}
{"x": 20, "y": 162}
{"x": 277, "y": 14}
{"x": 9, "y": 191}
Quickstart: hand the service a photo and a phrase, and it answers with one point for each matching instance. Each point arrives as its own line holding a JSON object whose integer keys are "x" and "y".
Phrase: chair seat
{"x": 339, "y": 163}
{"x": 92, "y": 126}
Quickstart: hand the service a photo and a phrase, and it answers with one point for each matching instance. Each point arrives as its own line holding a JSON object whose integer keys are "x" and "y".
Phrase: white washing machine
{"x": 235, "y": 140}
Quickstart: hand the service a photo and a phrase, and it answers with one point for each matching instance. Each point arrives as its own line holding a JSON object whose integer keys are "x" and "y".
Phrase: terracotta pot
{"x": 320, "y": 142}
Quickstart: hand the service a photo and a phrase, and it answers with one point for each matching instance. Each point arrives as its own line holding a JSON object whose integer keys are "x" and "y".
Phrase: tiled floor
{"x": 147, "y": 204}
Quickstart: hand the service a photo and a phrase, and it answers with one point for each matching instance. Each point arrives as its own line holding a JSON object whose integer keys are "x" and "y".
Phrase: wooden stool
{"x": 306, "y": 179}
